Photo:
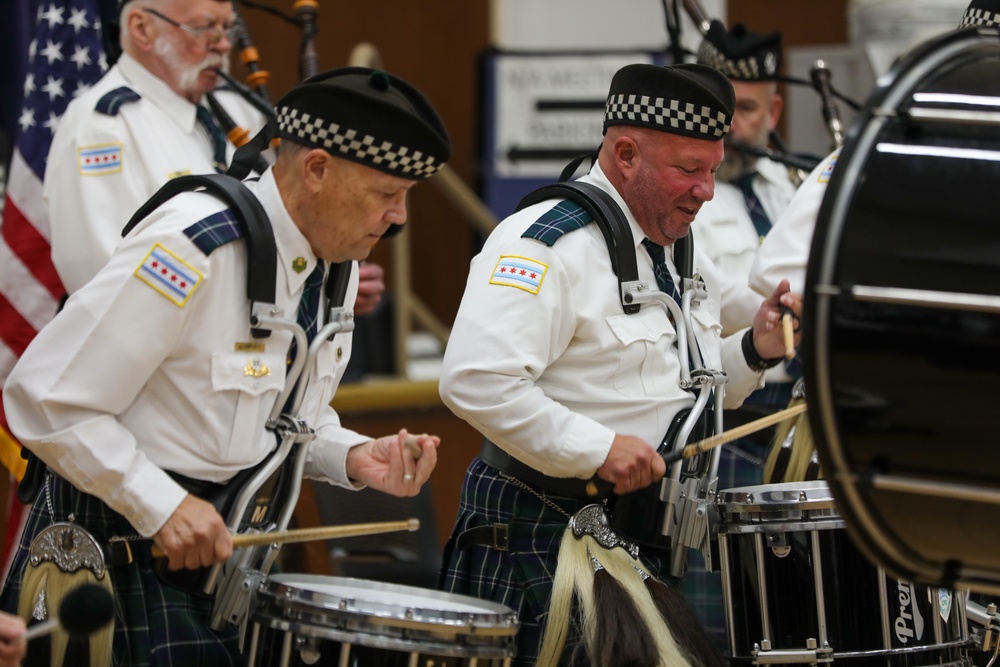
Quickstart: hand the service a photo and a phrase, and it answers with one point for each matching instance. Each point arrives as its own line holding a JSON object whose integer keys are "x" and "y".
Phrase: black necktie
{"x": 309, "y": 306}
{"x": 756, "y": 210}
{"x": 664, "y": 280}
{"x": 218, "y": 138}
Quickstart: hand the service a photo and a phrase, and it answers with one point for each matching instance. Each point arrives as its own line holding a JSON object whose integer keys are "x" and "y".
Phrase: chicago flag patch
{"x": 168, "y": 274}
{"x": 520, "y": 272}
{"x": 100, "y": 160}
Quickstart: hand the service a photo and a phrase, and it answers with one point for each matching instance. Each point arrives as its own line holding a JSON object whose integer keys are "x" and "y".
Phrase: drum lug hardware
{"x": 309, "y": 652}
{"x": 811, "y": 655}
{"x": 778, "y": 542}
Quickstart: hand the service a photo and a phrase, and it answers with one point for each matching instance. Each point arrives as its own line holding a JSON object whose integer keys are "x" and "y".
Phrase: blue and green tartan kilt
{"x": 740, "y": 464}
{"x": 520, "y": 577}
{"x": 156, "y": 625}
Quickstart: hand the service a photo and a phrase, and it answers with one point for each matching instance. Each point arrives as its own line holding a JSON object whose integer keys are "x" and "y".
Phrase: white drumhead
{"x": 381, "y": 593}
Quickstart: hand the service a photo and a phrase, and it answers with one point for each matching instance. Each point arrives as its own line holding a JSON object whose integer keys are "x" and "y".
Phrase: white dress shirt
{"x": 785, "y": 250}
{"x": 156, "y": 138}
{"x": 724, "y": 230}
{"x": 552, "y": 376}
{"x": 127, "y": 382}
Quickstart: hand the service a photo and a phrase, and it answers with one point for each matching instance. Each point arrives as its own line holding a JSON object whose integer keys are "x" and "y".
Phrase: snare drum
{"x": 343, "y": 622}
{"x": 797, "y": 591}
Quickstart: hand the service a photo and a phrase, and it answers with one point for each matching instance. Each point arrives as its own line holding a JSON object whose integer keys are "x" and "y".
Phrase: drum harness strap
{"x": 683, "y": 521}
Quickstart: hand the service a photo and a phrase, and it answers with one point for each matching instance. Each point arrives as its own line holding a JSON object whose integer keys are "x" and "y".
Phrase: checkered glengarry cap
{"x": 366, "y": 116}
{"x": 740, "y": 54}
{"x": 691, "y": 100}
{"x": 984, "y": 13}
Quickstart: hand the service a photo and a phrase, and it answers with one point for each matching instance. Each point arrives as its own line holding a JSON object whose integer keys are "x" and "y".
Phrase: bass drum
{"x": 903, "y": 310}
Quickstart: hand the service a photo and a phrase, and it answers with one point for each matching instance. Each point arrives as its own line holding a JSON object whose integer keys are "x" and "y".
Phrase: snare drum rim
{"x": 814, "y": 494}
{"x": 494, "y": 619}
{"x": 439, "y": 648}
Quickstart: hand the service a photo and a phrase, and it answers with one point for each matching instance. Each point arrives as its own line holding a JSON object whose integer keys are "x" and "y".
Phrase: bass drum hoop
{"x": 892, "y": 90}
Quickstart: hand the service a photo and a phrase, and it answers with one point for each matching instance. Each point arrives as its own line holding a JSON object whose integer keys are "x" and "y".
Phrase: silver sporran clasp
{"x": 591, "y": 520}
{"x": 70, "y": 547}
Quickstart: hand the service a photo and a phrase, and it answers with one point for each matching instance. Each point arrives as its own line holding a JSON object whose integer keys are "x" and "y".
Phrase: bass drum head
{"x": 902, "y": 317}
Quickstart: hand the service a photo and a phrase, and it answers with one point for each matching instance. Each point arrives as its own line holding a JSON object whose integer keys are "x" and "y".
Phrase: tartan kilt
{"x": 156, "y": 625}
{"x": 521, "y": 577}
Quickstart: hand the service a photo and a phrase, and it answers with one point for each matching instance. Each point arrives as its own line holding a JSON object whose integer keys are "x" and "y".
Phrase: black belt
{"x": 118, "y": 553}
{"x": 568, "y": 487}
{"x": 496, "y": 536}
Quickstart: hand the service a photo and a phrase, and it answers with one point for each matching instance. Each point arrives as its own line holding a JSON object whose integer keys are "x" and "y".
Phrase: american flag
{"x": 65, "y": 57}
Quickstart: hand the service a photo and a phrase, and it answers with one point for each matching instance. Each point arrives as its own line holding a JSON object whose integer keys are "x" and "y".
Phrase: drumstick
{"x": 733, "y": 434}
{"x": 410, "y": 443}
{"x": 789, "y": 328}
{"x": 720, "y": 439}
{"x": 313, "y": 534}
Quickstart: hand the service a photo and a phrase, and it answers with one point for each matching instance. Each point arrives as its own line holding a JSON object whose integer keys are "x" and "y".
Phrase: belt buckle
{"x": 120, "y": 551}
{"x": 500, "y": 536}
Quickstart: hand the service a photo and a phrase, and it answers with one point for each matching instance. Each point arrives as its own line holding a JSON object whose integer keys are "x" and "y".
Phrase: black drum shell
{"x": 785, "y": 557}
{"x": 901, "y": 390}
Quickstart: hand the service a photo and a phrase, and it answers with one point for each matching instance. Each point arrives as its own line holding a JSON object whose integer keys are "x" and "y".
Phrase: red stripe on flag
{"x": 32, "y": 248}
{"x": 15, "y": 331}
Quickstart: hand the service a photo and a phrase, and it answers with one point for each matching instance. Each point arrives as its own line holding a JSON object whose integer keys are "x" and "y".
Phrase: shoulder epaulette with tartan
{"x": 111, "y": 102}
{"x": 215, "y": 231}
{"x": 563, "y": 218}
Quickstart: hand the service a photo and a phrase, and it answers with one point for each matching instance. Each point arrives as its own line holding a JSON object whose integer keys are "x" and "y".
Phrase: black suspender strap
{"x": 617, "y": 233}
{"x": 609, "y": 218}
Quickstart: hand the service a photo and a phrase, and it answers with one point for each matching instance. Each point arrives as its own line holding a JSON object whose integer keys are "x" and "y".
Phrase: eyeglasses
{"x": 212, "y": 34}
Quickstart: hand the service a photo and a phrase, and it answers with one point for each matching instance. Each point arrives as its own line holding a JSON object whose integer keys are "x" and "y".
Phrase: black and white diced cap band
{"x": 980, "y": 17}
{"x": 668, "y": 113}
{"x": 744, "y": 69}
{"x": 357, "y": 145}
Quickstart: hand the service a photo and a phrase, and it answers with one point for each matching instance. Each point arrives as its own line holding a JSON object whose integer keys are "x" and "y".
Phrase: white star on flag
{"x": 52, "y": 52}
{"x": 81, "y": 56}
{"x": 52, "y": 122}
{"x": 27, "y": 119}
{"x": 54, "y": 88}
{"x": 78, "y": 20}
{"x": 54, "y": 16}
